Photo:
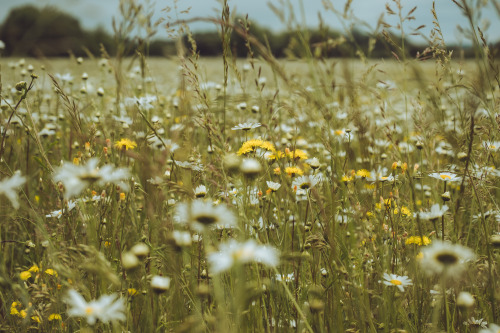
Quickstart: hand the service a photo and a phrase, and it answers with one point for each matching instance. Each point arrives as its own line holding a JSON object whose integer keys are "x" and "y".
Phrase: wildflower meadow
{"x": 306, "y": 194}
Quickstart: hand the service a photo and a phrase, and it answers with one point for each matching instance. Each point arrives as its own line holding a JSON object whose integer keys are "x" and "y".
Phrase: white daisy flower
{"x": 76, "y": 178}
{"x": 273, "y": 186}
{"x": 182, "y": 238}
{"x": 58, "y": 213}
{"x": 435, "y": 212}
{"x": 445, "y": 258}
{"x": 250, "y": 167}
{"x": 10, "y": 186}
{"x": 313, "y": 163}
{"x": 491, "y": 329}
{"x": 200, "y": 191}
{"x": 200, "y": 215}
{"x": 160, "y": 284}
{"x": 465, "y": 299}
{"x": 396, "y": 280}
{"x": 232, "y": 253}
{"x": 285, "y": 277}
{"x": 246, "y": 126}
{"x": 476, "y": 323}
{"x": 491, "y": 145}
{"x": 106, "y": 309}
{"x": 445, "y": 176}
{"x": 305, "y": 182}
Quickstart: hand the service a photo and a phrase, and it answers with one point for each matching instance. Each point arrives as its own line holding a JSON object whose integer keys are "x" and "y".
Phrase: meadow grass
{"x": 228, "y": 195}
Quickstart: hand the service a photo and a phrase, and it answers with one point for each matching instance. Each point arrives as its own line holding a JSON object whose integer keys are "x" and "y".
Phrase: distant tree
{"x": 30, "y": 31}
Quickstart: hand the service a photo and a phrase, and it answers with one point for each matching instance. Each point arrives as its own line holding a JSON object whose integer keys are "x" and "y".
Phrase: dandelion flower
{"x": 9, "y": 187}
{"x": 297, "y": 154}
{"x": 293, "y": 171}
{"x": 250, "y": 146}
{"x": 424, "y": 240}
{"x": 55, "y": 316}
{"x": 25, "y": 275}
{"x": 200, "y": 214}
{"x": 363, "y": 173}
{"x": 445, "y": 258}
{"x": 232, "y": 252}
{"x": 125, "y": 144}
{"x": 396, "y": 280}
{"x": 107, "y": 308}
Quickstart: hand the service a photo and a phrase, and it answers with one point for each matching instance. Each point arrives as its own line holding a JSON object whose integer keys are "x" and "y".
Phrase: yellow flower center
{"x": 89, "y": 310}
{"x": 445, "y": 177}
{"x": 242, "y": 254}
{"x": 396, "y": 282}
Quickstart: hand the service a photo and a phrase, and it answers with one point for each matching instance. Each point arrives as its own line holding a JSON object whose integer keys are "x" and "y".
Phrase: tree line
{"x": 49, "y": 32}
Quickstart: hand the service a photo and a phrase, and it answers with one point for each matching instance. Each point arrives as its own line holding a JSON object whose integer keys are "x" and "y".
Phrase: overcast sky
{"x": 93, "y": 13}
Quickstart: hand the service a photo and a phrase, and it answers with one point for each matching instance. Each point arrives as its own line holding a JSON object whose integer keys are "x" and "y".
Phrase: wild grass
{"x": 228, "y": 195}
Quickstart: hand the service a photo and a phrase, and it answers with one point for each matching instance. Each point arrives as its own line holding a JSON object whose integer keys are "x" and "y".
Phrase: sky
{"x": 93, "y": 13}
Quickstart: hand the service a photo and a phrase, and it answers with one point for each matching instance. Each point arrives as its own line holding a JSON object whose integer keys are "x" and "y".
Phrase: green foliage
{"x": 30, "y": 31}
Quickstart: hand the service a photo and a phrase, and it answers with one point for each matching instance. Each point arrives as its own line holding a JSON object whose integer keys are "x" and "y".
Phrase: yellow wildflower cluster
{"x": 25, "y": 275}
{"x": 14, "y": 310}
{"x": 424, "y": 240}
{"x": 250, "y": 146}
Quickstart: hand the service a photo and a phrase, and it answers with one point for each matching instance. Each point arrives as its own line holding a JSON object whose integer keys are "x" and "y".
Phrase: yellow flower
{"x": 297, "y": 153}
{"x": 55, "y": 316}
{"x": 418, "y": 241}
{"x": 125, "y": 144}
{"x": 346, "y": 178}
{"x": 293, "y": 171}
{"x": 13, "y": 309}
{"x": 405, "y": 212}
{"x": 122, "y": 196}
{"x": 23, "y": 314}
{"x": 277, "y": 155}
{"x": 34, "y": 269}
{"x": 50, "y": 271}
{"x": 132, "y": 291}
{"x": 250, "y": 145}
{"x": 25, "y": 275}
{"x": 277, "y": 171}
{"x": 36, "y": 318}
{"x": 363, "y": 173}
